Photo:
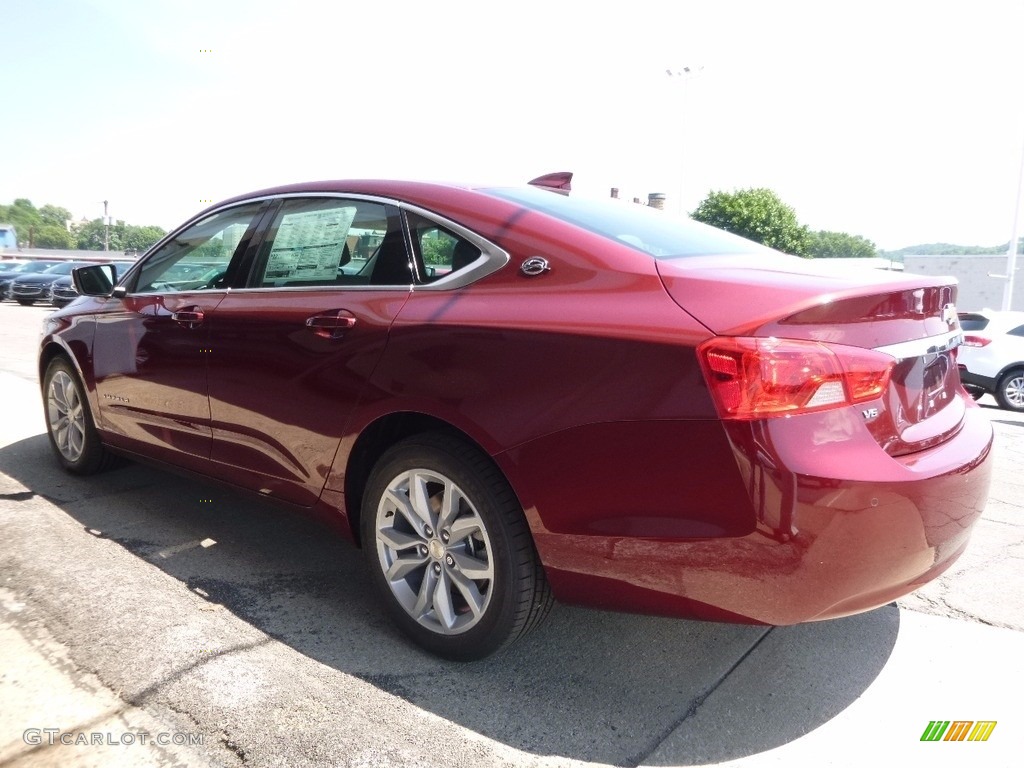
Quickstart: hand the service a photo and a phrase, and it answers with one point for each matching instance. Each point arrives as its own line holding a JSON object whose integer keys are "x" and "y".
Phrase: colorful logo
{"x": 958, "y": 730}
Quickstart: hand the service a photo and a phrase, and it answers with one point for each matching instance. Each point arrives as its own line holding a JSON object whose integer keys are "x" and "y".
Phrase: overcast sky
{"x": 899, "y": 121}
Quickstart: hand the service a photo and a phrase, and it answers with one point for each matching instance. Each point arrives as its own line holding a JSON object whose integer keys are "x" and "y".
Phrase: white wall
{"x": 977, "y": 289}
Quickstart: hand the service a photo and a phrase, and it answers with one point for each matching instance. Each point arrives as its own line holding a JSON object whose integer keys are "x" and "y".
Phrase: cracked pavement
{"x": 127, "y": 606}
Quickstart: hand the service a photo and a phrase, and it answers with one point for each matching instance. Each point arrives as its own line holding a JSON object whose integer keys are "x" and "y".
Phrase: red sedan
{"x": 507, "y": 395}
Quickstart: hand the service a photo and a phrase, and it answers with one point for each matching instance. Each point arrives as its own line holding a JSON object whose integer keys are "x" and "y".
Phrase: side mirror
{"x": 95, "y": 280}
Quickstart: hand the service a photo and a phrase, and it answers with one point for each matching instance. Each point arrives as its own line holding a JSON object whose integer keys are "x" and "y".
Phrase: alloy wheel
{"x": 1013, "y": 390}
{"x": 66, "y": 415}
{"x": 434, "y": 551}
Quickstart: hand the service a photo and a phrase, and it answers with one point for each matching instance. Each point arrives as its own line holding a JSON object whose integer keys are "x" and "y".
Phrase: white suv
{"x": 991, "y": 359}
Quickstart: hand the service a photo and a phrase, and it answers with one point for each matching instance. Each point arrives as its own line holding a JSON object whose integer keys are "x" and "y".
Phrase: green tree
{"x": 89, "y": 237}
{"x": 437, "y": 249}
{"x": 757, "y": 214}
{"x": 46, "y": 227}
{"x": 123, "y": 237}
{"x": 839, "y": 245}
{"x": 23, "y": 215}
{"x": 53, "y": 214}
{"x": 52, "y": 236}
{"x": 140, "y": 238}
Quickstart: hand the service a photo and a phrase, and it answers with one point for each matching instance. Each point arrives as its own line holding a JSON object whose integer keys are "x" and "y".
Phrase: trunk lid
{"x": 909, "y": 317}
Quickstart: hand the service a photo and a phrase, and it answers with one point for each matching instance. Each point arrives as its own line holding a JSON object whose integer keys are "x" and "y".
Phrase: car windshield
{"x": 649, "y": 230}
{"x": 61, "y": 269}
{"x": 24, "y": 269}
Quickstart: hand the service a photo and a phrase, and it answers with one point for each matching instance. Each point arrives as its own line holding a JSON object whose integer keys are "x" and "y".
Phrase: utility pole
{"x": 106, "y": 228}
{"x": 1011, "y": 252}
{"x": 682, "y": 76}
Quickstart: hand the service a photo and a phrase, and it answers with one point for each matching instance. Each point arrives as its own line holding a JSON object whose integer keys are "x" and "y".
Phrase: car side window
{"x": 439, "y": 252}
{"x": 329, "y": 242}
{"x": 198, "y": 257}
{"x": 1018, "y": 331}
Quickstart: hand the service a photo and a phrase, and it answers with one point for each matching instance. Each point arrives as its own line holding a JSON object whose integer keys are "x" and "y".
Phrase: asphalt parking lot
{"x": 138, "y": 601}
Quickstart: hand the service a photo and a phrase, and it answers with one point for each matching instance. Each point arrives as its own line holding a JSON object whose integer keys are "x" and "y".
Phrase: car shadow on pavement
{"x": 589, "y": 685}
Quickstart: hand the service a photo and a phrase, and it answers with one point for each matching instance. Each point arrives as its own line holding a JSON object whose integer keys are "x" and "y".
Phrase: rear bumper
{"x": 837, "y": 527}
{"x": 976, "y": 380}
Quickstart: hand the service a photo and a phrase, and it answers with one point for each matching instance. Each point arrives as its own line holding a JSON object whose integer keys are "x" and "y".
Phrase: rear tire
{"x": 449, "y": 549}
{"x": 1010, "y": 392}
{"x": 69, "y": 423}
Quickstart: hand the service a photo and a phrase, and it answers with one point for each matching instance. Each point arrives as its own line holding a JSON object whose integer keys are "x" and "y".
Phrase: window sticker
{"x": 309, "y": 245}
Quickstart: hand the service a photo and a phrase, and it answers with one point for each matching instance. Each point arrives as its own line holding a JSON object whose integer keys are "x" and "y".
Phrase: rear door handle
{"x": 189, "y": 317}
{"x": 331, "y": 324}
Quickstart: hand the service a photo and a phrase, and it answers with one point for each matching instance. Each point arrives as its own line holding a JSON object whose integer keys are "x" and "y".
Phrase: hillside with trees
{"x": 948, "y": 249}
{"x": 48, "y": 227}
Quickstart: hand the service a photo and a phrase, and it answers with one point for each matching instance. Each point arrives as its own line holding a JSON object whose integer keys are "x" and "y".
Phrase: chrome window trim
{"x": 144, "y": 257}
{"x": 189, "y": 222}
{"x": 931, "y": 345}
{"x": 321, "y": 288}
{"x": 492, "y": 257}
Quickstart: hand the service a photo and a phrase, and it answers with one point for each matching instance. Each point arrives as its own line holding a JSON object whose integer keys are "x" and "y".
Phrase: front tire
{"x": 1010, "y": 392}
{"x": 69, "y": 423}
{"x": 449, "y": 549}
{"x": 26, "y": 302}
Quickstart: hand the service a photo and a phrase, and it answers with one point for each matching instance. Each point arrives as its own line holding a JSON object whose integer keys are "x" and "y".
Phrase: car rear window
{"x": 656, "y": 233}
{"x": 969, "y": 322}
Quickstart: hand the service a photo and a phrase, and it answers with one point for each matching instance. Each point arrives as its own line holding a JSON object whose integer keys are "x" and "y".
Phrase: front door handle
{"x": 189, "y": 317}
{"x": 331, "y": 324}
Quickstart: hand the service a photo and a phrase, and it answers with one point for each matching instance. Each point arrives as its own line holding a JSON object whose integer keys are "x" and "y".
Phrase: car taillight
{"x": 755, "y": 378}
{"x": 975, "y": 341}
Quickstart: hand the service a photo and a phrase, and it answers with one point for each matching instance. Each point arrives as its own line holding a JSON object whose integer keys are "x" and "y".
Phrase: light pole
{"x": 683, "y": 76}
{"x": 1011, "y": 251}
{"x": 106, "y": 228}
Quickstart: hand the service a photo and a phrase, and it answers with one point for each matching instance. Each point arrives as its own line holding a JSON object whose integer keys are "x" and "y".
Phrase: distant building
{"x": 978, "y": 288}
{"x": 8, "y": 238}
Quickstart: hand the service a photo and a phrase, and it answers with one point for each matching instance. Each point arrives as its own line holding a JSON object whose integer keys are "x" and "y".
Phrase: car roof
{"x": 378, "y": 187}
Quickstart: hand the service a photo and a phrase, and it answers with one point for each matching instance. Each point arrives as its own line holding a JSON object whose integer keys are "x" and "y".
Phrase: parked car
{"x": 8, "y": 276}
{"x": 62, "y": 290}
{"x": 992, "y": 356}
{"x": 28, "y": 288}
{"x": 576, "y": 398}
